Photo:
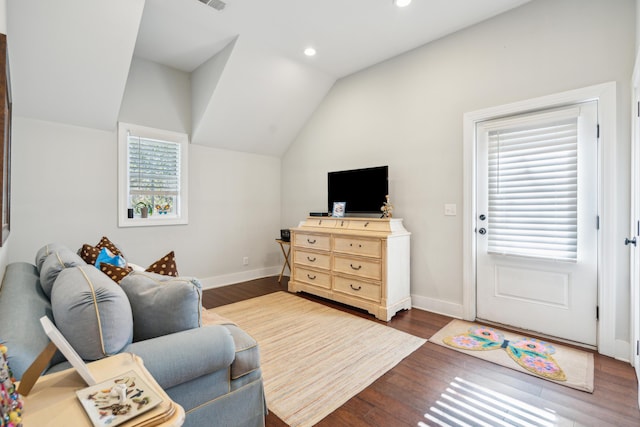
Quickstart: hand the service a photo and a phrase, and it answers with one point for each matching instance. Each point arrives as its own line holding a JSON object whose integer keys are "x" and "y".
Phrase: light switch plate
{"x": 450, "y": 210}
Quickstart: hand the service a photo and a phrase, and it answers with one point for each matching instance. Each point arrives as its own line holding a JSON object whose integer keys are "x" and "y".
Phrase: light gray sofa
{"x": 213, "y": 372}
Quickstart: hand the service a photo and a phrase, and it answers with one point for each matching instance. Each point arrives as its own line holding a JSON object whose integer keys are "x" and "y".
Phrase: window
{"x": 533, "y": 180}
{"x": 152, "y": 176}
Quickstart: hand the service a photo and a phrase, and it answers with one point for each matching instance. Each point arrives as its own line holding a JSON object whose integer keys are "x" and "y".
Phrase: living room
{"x": 406, "y": 112}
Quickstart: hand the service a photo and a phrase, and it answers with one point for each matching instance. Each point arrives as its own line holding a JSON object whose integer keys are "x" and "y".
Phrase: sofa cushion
{"x": 247, "y": 358}
{"x": 162, "y": 305}
{"x": 165, "y": 265}
{"x": 92, "y": 312}
{"x": 22, "y": 304}
{"x": 44, "y": 252}
{"x": 57, "y": 261}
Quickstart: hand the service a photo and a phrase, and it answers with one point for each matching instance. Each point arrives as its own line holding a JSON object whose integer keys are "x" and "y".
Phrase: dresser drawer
{"x": 371, "y": 269}
{"x": 312, "y": 277}
{"x": 342, "y": 223}
{"x": 366, "y": 225}
{"x": 321, "y": 222}
{"x": 357, "y": 246}
{"x": 312, "y": 241}
{"x": 312, "y": 259}
{"x": 357, "y": 288}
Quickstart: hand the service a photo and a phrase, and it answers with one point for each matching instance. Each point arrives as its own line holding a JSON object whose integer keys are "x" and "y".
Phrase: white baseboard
{"x": 243, "y": 276}
{"x": 446, "y": 308}
{"x": 622, "y": 350}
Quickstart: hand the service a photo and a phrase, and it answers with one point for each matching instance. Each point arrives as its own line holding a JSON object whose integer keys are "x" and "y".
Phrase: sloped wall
{"x": 407, "y": 113}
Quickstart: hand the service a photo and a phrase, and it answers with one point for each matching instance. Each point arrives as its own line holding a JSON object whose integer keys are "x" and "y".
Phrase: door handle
{"x": 482, "y": 231}
{"x": 627, "y": 242}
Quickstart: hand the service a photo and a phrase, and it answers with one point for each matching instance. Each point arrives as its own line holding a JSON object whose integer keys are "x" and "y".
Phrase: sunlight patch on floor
{"x": 466, "y": 404}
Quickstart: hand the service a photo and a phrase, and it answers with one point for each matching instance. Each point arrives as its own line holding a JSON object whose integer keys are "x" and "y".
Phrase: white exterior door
{"x": 537, "y": 206}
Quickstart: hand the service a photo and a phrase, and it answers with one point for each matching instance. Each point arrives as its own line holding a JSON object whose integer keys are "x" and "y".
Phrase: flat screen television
{"x": 363, "y": 190}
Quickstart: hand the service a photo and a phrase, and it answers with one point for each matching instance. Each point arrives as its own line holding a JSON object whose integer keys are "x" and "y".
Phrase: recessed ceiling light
{"x": 310, "y": 51}
{"x": 401, "y": 3}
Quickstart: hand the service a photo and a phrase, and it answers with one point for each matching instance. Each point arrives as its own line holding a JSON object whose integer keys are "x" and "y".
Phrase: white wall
{"x": 3, "y": 16}
{"x": 407, "y": 113}
{"x": 157, "y": 96}
{"x": 65, "y": 190}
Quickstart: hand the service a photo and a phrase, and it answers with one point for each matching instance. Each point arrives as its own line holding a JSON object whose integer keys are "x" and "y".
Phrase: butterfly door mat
{"x": 554, "y": 362}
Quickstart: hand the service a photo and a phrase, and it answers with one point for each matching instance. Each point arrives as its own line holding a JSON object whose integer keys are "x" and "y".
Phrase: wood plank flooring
{"x": 436, "y": 385}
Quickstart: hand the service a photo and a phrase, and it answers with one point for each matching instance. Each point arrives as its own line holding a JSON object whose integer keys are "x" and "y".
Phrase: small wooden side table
{"x": 53, "y": 402}
{"x": 286, "y": 254}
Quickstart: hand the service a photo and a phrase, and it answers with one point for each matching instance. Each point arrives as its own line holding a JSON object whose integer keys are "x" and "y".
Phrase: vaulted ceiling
{"x": 252, "y": 87}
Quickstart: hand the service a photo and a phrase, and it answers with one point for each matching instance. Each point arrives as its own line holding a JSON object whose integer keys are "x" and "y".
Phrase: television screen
{"x": 363, "y": 190}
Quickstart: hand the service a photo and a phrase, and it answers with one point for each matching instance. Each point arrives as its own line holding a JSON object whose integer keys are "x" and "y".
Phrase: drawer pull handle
{"x": 356, "y": 268}
{"x": 311, "y": 241}
{"x": 354, "y": 288}
{"x": 342, "y": 224}
{"x": 366, "y": 223}
{"x": 320, "y": 222}
{"x": 311, "y": 259}
{"x": 311, "y": 277}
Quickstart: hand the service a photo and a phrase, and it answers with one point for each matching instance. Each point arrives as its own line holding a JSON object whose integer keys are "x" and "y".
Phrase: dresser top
{"x": 354, "y": 225}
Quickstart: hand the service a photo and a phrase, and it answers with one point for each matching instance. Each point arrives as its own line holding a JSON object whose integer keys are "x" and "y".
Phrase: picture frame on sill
{"x": 339, "y": 209}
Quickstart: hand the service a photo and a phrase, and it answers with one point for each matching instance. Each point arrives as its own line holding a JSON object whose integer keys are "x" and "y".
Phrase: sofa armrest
{"x": 183, "y": 356}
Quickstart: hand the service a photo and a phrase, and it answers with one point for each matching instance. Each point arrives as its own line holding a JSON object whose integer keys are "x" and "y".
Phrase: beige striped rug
{"x": 315, "y": 358}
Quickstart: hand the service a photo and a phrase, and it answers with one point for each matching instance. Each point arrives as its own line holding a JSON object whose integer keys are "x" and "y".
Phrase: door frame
{"x": 605, "y": 94}
{"x": 634, "y": 261}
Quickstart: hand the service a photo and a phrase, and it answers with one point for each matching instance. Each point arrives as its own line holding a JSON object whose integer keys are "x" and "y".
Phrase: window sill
{"x": 151, "y": 222}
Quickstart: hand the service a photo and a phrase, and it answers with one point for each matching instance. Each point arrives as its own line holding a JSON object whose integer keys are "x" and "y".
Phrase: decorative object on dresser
{"x": 338, "y": 209}
{"x": 362, "y": 262}
{"x": 387, "y": 208}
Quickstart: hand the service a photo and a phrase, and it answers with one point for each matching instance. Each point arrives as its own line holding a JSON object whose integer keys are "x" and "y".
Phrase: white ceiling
{"x": 70, "y": 58}
{"x": 349, "y": 35}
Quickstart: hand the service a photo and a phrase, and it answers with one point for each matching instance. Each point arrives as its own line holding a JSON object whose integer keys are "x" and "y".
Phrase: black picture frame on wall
{"x": 5, "y": 142}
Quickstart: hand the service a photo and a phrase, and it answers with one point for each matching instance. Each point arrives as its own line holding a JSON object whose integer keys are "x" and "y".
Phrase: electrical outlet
{"x": 450, "y": 210}
{"x": 245, "y": 260}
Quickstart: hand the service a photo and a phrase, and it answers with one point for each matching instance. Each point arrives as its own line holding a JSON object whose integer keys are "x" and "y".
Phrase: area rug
{"x": 554, "y": 362}
{"x": 315, "y": 358}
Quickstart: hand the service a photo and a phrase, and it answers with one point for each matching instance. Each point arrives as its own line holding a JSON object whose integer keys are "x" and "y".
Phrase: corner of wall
{"x": 4, "y": 259}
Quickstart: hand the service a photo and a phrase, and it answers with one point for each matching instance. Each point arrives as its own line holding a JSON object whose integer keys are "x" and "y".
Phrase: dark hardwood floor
{"x": 435, "y": 384}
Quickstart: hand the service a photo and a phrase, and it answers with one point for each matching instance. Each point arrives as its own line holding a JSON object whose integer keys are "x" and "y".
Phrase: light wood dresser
{"x": 362, "y": 262}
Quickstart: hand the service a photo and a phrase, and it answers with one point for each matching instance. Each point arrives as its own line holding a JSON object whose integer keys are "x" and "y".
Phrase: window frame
{"x": 182, "y": 217}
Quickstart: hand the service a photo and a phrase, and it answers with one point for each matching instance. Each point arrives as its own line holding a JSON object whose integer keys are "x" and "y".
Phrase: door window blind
{"x": 154, "y": 167}
{"x": 533, "y": 190}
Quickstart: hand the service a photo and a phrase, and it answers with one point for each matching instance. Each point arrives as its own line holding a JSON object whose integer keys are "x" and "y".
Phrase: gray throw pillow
{"x": 92, "y": 312}
{"x": 45, "y": 251}
{"x": 162, "y": 305}
{"x": 57, "y": 261}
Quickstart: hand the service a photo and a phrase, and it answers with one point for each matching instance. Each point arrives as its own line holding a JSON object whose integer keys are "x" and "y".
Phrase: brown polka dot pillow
{"x": 106, "y": 243}
{"x": 165, "y": 266}
{"x": 90, "y": 253}
{"x": 115, "y": 273}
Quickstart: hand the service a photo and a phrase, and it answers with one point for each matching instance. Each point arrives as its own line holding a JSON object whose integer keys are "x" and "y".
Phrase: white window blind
{"x": 154, "y": 167}
{"x": 153, "y": 179}
{"x": 533, "y": 190}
